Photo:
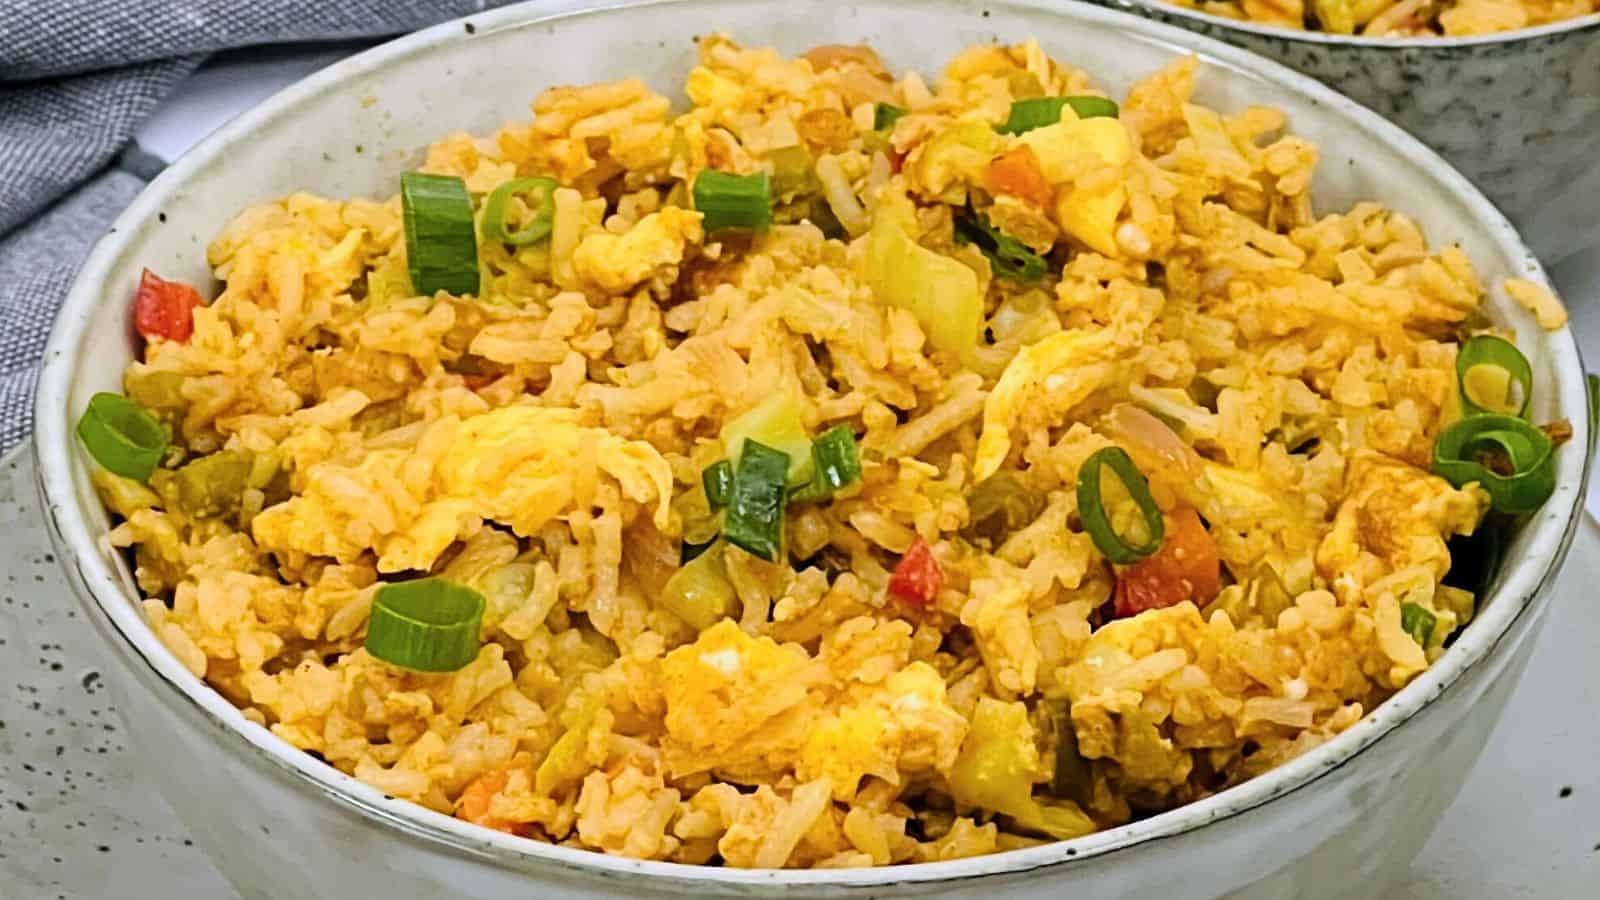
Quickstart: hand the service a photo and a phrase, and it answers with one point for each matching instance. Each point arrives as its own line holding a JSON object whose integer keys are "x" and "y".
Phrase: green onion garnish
{"x": 428, "y": 625}
{"x": 837, "y": 457}
{"x": 1009, "y": 257}
{"x": 1417, "y": 622}
{"x": 1026, "y": 115}
{"x": 837, "y": 463}
{"x": 1511, "y": 459}
{"x": 718, "y": 481}
{"x": 884, "y": 115}
{"x": 755, "y": 507}
{"x": 733, "y": 201}
{"x": 1486, "y": 350}
{"x": 538, "y": 228}
{"x": 1092, "y": 510}
{"x": 441, "y": 246}
{"x": 122, "y": 436}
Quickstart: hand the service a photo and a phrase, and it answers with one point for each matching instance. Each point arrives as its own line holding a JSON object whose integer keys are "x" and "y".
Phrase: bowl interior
{"x": 351, "y": 130}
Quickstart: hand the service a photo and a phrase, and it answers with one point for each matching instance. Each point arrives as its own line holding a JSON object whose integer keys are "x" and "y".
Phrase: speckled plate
{"x": 77, "y": 820}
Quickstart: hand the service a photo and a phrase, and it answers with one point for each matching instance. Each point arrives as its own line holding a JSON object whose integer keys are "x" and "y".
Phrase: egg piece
{"x": 1063, "y": 365}
{"x": 520, "y": 465}
{"x": 1087, "y": 212}
{"x": 652, "y": 247}
{"x": 1394, "y": 516}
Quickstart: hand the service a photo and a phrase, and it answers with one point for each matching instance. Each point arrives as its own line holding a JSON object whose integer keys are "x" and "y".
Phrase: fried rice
{"x": 1278, "y": 374}
{"x": 1398, "y": 18}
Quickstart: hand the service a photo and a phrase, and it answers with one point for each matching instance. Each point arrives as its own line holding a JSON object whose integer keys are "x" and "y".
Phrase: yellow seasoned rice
{"x": 1398, "y": 18}
{"x": 544, "y": 443}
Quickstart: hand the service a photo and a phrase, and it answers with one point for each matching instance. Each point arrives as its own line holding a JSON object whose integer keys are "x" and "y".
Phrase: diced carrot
{"x": 1186, "y": 567}
{"x": 1017, "y": 172}
{"x": 474, "y": 802}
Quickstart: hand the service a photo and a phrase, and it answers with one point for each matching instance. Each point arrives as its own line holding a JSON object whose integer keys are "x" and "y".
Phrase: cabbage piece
{"x": 941, "y": 292}
{"x": 568, "y": 759}
{"x": 996, "y": 771}
{"x": 778, "y": 422}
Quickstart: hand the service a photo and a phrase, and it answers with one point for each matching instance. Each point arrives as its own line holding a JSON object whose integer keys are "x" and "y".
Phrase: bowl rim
{"x": 1585, "y": 22}
{"x": 115, "y": 611}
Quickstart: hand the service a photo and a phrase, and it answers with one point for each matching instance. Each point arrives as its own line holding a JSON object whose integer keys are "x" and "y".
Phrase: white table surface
{"x": 76, "y": 820}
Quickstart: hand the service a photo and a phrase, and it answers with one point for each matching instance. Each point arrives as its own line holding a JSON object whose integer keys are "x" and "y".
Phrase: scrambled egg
{"x": 1088, "y": 209}
{"x": 1394, "y": 516}
{"x": 520, "y": 465}
{"x": 747, "y": 704}
{"x": 652, "y": 248}
{"x": 1064, "y": 369}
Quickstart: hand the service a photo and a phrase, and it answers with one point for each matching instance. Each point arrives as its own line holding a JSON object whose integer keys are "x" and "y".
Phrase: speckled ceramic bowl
{"x": 1518, "y": 113}
{"x": 1330, "y": 824}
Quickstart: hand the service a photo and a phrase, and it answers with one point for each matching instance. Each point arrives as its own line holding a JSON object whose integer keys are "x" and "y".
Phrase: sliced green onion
{"x": 441, "y": 244}
{"x": 1088, "y": 106}
{"x": 1009, "y": 257}
{"x": 1000, "y": 505}
{"x": 809, "y": 492}
{"x": 1092, "y": 510}
{"x": 755, "y": 507}
{"x": 837, "y": 457}
{"x": 1473, "y": 449}
{"x": 884, "y": 115}
{"x": 718, "y": 481}
{"x": 1486, "y": 350}
{"x": 836, "y": 461}
{"x": 1026, "y": 115}
{"x": 122, "y": 436}
{"x": 1418, "y": 622}
{"x": 733, "y": 201}
{"x": 544, "y": 217}
{"x": 427, "y": 625}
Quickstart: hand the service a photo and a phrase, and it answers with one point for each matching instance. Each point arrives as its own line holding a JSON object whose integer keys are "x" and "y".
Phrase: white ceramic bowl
{"x": 280, "y": 824}
{"x": 1517, "y": 112}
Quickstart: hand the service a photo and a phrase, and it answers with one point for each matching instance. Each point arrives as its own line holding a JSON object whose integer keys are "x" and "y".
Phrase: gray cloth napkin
{"x": 77, "y": 77}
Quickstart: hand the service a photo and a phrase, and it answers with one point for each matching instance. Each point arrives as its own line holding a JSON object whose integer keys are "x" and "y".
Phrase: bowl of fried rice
{"x": 919, "y": 448}
{"x": 1507, "y": 91}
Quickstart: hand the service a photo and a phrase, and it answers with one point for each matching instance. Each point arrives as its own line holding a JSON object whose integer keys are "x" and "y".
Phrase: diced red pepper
{"x": 917, "y": 578}
{"x": 165, "y": 309}
{"x": 897, "y": 161}
{"x": 1186, "y": 567}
